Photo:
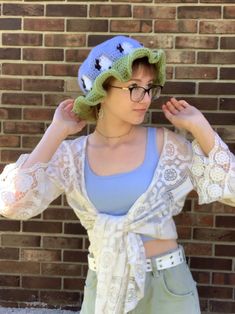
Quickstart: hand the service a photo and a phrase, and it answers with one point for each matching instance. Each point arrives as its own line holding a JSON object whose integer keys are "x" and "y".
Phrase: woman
{"x": 125, "y": 181}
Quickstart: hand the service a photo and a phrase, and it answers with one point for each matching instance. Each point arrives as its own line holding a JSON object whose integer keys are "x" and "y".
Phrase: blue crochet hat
{"x": 112, "y": 58}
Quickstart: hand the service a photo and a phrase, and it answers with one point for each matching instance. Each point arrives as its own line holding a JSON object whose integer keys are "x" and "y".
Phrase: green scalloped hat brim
{"x": 122, "y": 71}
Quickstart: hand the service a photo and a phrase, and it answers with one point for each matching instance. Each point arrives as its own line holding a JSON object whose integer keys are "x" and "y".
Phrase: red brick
{"x": 106, "y": 10}
{"x": 223, "y": 279}
{"x": 59, "y": 297}
{"x": 216, "y": 57}
{"x": 43, "y": 54}
{"x": 59, "y": 214}
{"x": 217, "y": 27}
{"x": 94, "y": 40}
{"x": 33, "y": 282}
{"x": 87, "y": 25}
{"x": 65, "y": 40}
{"x": 211, "y": 263}
{"x": 9, "y": 141}
{"x": 23, "y": 127}
{"x": 43, "y": 85}
{"x": 199, "y": 12}
{"x": 217, "y": 1}
{"x": 153, "y": 41}
{"x": 227, "y": 42}
{"x": 196, "y": 73}
{"x": 176, "y": 1}
{"x": 61, "y": 269}
{"x": 10, "y": 156}
{"x": 229, "y": 12}
{"x": 29, "y": 141}
{"x": 10, "y": 24}
{"x": 225, "y": 221}
{"x": 10, "y": 53}
{"x": 154, "y": 12}
{"x": 222, "y": 306}
{"x": 186, "y": 219}
{"x": 215, "y": 292}
{"x": 22, "y": 99}
{"x": 42, "y": 227}
{"x": 15, "y": 267}
{"x": 173, "y": 88}
{"x": 22, "y": 39}
{"x": 9, "y": 281}
{"x": 23, "y": 9}
{"x": 19, "y": 295}
{"x": 62, "y": 242}
{"x": 131, "y": 1}
{"x": 20, "y": 240}
{"x": 74, "y": 228}
{"x": 227, "y": 73}
{"x": 74, "y": 283}
{"x": 43, "y": 24}
{"x": 66, "y": 10}
{"x": 203, "y": 103}
{"x": 75, "y": 256}
{"x": 180, "y": 26}
{"x": 10, "y": 83}
{"x": 226, "y": 133}
{"x": 55, "y": 99}
{"x": 130, "y": 26}
{"x": 197, "y": 249}
{"x": 61, "y": 70}
{"x": 216, "y": 88}
{"x": 9, "y": 253}
{"x": 214, "y": 234}
{"x": 74, "y": 55}
{"x": 40, "y": 255}
{"x": 202, "y": 277}
{"x": 227, "y": 103}
{"x": 215, "y": 207}
{"x": 42, "y": 114}
{"x": 225, "y": 250}
{"x": 22, "y": 69}
{"x": 10, "y": 113}
{"x": 196, "y": 42}
{"x": 175, "y": 56}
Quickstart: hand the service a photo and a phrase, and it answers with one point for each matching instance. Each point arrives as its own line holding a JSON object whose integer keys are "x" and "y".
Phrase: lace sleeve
{"x": 214, "y": 175}
{"x": 25, "y": 193}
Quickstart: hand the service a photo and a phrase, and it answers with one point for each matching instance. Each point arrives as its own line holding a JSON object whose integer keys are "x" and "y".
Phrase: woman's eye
{"x": 132, "y": 86}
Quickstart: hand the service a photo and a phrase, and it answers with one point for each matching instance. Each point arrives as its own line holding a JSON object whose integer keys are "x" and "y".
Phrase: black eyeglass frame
{"x": 146, "y": 90}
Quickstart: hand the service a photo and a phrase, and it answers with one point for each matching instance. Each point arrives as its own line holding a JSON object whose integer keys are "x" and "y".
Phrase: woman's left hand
{"x": 182, "y": 115}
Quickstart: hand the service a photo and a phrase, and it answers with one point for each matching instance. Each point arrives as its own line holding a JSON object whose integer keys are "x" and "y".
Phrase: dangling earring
{"x": 101, "y": 113}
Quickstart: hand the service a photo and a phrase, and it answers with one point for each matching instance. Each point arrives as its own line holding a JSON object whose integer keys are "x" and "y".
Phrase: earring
{"x": 101, "y": 113}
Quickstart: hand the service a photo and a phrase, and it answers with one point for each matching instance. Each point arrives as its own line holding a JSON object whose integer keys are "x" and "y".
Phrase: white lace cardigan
{"x": 115, "y": 241}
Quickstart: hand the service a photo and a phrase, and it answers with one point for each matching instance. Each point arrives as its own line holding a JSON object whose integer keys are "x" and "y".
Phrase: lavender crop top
{"x": 115, "y": 194}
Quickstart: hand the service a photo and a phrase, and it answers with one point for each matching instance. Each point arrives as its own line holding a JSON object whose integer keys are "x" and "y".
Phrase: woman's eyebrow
{"x": 139, "y": 80}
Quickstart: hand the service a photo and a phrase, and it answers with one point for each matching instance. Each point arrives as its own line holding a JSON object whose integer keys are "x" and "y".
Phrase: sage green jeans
{"x": 168, "y": 291}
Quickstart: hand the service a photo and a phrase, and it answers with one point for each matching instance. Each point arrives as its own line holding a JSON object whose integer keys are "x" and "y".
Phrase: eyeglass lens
{"x": 138, "y": 93}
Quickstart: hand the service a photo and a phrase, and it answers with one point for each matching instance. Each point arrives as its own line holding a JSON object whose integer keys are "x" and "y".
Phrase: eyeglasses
{"x": 137, "y": 93}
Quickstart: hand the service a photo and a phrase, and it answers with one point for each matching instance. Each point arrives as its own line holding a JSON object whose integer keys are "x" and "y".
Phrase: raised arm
{"x": 184, "y": 116}
{"x": 64, "y": 123}
{"x": 30, "y": 184}
{"x": 213, "y": 165}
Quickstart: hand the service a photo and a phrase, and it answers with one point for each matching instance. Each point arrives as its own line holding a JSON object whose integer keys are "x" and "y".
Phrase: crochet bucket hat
{"x": 112, "y": 58}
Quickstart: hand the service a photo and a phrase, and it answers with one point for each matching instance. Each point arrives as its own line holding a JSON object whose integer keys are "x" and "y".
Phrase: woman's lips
{"x": 140, "y": 110}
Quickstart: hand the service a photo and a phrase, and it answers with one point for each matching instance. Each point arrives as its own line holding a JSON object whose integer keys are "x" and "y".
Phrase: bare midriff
{"x": 158, "y": 247}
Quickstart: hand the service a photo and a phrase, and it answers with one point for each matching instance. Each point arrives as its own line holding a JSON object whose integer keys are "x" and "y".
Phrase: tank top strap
{"x": 151, "y": 149}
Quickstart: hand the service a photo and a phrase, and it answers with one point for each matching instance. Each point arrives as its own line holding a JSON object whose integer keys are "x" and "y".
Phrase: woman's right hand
{"x": 66, "y": 121}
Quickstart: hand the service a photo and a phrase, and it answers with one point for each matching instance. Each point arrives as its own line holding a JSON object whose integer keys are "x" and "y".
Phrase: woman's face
{"x": 118, "y": 105}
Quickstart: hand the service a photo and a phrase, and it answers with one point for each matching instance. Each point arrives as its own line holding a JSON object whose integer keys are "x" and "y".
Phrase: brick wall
{"x": 43, "y": 261}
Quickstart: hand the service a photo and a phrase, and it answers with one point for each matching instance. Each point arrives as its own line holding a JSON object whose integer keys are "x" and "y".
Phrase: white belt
{"x": 162, "y": 262}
